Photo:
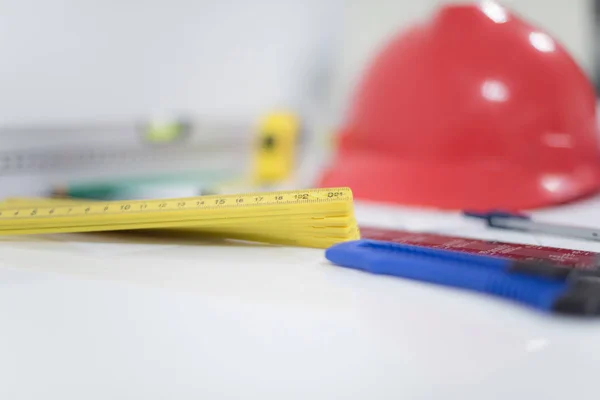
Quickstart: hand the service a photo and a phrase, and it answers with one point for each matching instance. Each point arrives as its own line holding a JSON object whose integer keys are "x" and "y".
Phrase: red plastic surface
{"x": 571, "y": 258}
{"x": 473, "y": 109}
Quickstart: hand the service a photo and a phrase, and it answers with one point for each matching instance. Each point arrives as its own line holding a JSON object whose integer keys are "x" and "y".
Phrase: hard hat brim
{"x": 459, "y": 187}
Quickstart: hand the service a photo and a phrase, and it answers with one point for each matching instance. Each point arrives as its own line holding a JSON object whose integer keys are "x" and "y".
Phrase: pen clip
{"x": 489, "y": 216}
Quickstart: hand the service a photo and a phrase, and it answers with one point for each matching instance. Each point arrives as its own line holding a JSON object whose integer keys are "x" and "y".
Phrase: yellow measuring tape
{"x": 311, "y": 218}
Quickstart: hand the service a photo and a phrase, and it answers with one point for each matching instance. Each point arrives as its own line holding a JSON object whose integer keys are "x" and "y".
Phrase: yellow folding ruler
{"x": 310, "y": 218}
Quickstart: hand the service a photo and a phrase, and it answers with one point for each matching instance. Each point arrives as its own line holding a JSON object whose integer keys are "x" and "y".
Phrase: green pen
{"x": 196, "y": 184}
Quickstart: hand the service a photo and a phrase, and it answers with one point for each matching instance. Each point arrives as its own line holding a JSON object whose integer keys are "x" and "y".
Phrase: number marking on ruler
{"x": 209, "y": 203}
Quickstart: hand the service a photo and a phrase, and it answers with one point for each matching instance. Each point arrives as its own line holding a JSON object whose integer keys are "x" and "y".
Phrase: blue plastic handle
{"x": 477, "y": 273}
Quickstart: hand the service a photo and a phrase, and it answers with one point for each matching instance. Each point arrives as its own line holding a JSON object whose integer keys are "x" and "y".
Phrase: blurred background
{"x": 83, "y": 81}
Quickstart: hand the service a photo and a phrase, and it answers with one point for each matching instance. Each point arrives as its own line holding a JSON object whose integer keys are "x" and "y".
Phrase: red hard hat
{"x": 473, "y": 109}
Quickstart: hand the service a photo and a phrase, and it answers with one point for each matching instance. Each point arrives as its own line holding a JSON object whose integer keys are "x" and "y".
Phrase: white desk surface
{"x": 109, "y": 317}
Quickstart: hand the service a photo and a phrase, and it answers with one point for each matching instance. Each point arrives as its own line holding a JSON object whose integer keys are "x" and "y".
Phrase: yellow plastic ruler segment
{"x": 311, "y": 217}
